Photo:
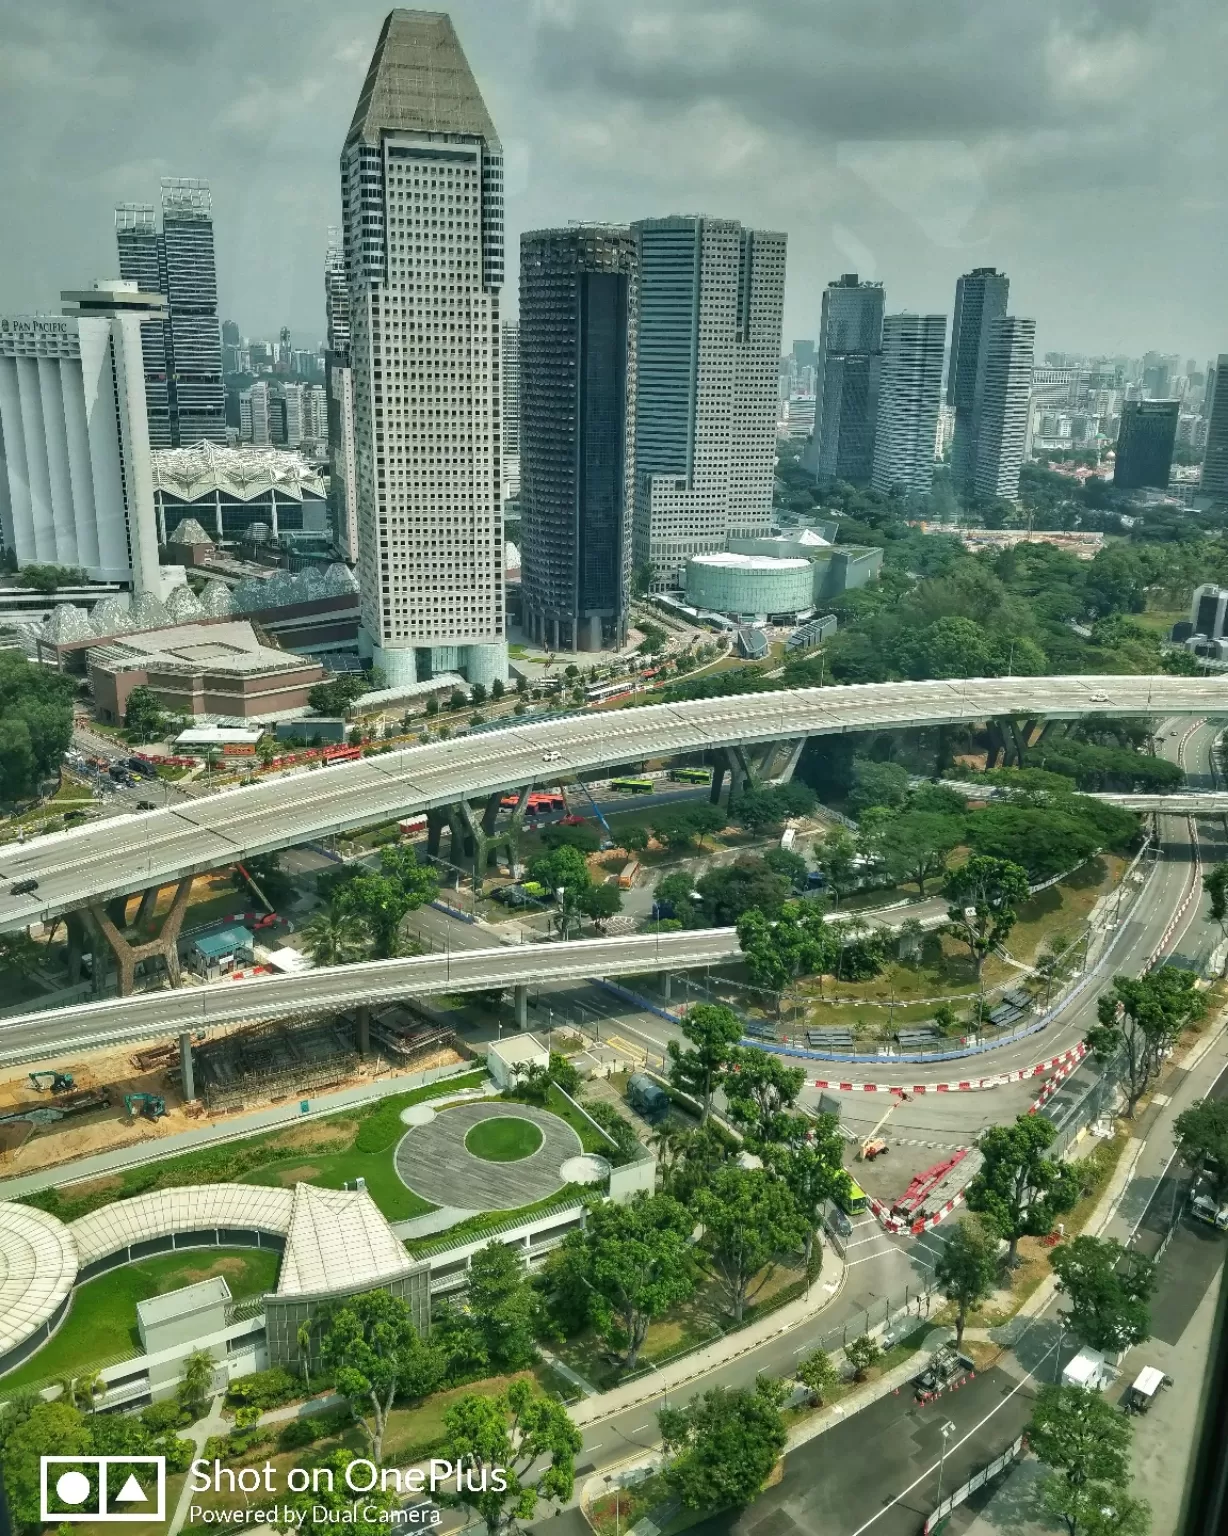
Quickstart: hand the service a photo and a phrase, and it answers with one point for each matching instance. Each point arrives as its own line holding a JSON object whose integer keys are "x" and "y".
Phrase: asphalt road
{"x": 105, "y": 859}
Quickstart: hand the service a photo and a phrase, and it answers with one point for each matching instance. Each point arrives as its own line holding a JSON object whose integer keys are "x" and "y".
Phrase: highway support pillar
{"x": 478, "y": 836}
{"x": 718, "y": 780}
{"x": 362, "y": 1028}
{"x": 795, "y": 753}
{"x": 521, "y": 995}
{"x": 128, "y": 954}
{"x": 515, "y": 827}
{"x": 742, "y": 775}
{"x": 78, "y": 935}
{"x": 187, "y": 1074}
{"x": 436, "y": 821}
{"x": 667, "y": 986}
{"x": 145, "y": 912}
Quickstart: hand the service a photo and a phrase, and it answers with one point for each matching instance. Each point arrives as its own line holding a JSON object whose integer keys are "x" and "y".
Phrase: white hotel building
{"x": 422, "y": 200}
{"x": 76, "y": 484}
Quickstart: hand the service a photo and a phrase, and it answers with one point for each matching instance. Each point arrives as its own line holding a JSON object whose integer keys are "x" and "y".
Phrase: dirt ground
{"x": 23, "y": 1150}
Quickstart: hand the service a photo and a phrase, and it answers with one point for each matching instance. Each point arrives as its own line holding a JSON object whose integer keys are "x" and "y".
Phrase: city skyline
{"x": 1056, "y": 173}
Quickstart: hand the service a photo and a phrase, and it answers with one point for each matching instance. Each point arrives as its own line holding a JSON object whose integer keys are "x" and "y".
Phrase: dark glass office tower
{"x": 847, "y": 366}
{"x": 577, "y": 385}
{"x": 980, "y": 298}
{"x": 1145, "y": 444}
{"x": 184, "y": 394}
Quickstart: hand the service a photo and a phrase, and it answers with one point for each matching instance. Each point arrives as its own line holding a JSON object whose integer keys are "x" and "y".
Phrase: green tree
{"x": 336, "y": 937}
{"x": 584, "y": 837}
{"x": 500, "y": 1303}
{"x": 967, "y": 1269}
{"x": 836, "y": 857}
{"x": 564, "y": 867}
{"x": 818, "y": 1374}
{"x": 789, "y": 865}
{"x": 1110, "y": 1290}
{"x": 193, "y": 1389}
{"x": 143, "y": 716}
{"x": 808, "y": 1155}
{"x": 723, "y": 1444}
{"x": 1080, "y": 1435}
{"x": 862, "y": 1353}
{"x": 528, "y": 1439}
{"x": 635, "y": 1263}
{"x": 1202, "y": 1136}
{"x": 699, "y": 1069}
{"x": 384, "y": 899}
{"x": 371, "y": 1347}
{"x": 731, "y": 889}
{"x": 600, "y": 902}
{"x": 984, "y": 894}
{"x": 1215, "y": 883}
{"x": 876, "y": 784}
{"x": 1140, "y": 1020}
{"x": 748, "y": 1218}
{"x": 1019, "y": 1189}
{"x": 1095, "y": 1509}
{"x": 20, "y": 956}
{"x": 82, "y": 1391}
{"x": 48, "y": 1429}
{"x": 359, "y": 1513}
{"x": 760, "y": 1088}
{"x": 917, "y": 845}
{"x": 633, "y": 839}
{"x": 266, "y": 749}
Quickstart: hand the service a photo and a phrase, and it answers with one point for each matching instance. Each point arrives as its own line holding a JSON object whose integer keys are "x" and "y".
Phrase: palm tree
{"x": 337, "y": 938}
{"x": 82, "y": 1391}
{"x": 667, "y": 1145}
{"x": 196, "y": 1380}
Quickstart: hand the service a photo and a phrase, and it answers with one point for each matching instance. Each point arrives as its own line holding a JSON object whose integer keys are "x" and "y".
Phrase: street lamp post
{"x": 948, "y": 1429}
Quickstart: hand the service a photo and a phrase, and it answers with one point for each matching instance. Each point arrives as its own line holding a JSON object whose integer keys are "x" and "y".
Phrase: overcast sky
{"x": 1076, "y": 144}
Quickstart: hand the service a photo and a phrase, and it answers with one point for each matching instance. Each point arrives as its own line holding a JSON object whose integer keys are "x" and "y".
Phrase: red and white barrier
{"x": 970, "y": 1085}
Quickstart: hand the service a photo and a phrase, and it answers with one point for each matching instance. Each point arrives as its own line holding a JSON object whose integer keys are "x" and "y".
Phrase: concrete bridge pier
{"x": 436, "y": 821}
{"x": 110, "y": 920}
{"x": 186, "y": 1071}
{"x": 667, "y": 986}
{"x": 362, "y": 1028}
{"x": 521, "y": 995}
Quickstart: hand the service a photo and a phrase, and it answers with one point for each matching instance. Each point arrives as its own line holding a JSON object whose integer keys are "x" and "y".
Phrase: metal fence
{"x": 977, "y": 1480}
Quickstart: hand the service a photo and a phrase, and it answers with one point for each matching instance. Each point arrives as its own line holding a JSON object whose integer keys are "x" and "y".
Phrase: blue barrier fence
{"x": 635, "y": 999}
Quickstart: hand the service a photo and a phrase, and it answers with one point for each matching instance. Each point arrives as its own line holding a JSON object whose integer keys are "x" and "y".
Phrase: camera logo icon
{"x": 114, "y": 1488}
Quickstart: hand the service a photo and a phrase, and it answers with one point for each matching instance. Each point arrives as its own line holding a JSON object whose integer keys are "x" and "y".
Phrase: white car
{"x": 1099, "y": 698}
{"x": 552, "y": 756}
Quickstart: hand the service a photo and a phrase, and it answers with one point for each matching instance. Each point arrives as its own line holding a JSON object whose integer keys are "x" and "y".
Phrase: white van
{"x": 1088, "y": 1369}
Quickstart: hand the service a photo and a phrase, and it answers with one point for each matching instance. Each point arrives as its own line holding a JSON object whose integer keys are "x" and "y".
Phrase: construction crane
{"x": 875, "y": 1145}
{"x": 605, "y": 825}
{"x": 151, "y": 1105}
{"x": 60, "y": 1082}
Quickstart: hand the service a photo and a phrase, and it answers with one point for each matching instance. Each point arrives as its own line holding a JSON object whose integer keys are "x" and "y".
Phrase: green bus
{"x": 634, "y": 786}
{"x": 691, "y": 775}
{"x": 852, "y": 1199}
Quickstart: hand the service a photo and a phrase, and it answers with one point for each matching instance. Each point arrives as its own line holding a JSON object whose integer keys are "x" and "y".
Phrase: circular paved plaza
{"x": 434, "y": 1162}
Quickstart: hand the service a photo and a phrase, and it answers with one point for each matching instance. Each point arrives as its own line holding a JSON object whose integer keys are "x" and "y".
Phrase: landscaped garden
{"x": 100, "y": 1328}
{"x": 505, "y": 1140}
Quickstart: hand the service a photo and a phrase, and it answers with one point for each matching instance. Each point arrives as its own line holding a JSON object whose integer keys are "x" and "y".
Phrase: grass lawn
{"x": 366, "y": 1136}
{"x": 336, "y": 1170}
{"x": 101, "y": 1324}
{"x": 505, "y": 1140}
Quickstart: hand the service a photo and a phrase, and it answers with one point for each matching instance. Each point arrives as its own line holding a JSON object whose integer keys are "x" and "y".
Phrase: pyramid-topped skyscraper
{"x": 422, "y": 199}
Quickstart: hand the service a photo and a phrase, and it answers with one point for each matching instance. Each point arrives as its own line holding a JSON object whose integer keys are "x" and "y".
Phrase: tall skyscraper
{"x": 183, "y": 354}
{"x": 255, "y": 415}
{"x": 576, "y": 383}
{"x": 1215, "y": 459}
{"x": 511, "y": 411}
{"x": 1145, "y": 439}
{"x": 980, "y": 297}
{"x": 339, "y": 382}
{"x": 711, "y": 295}
{"x": 847, "y": 365}
{"x": 422, "y": 193}
{"x": 1004, "y": 390}
{"x": 76, "y": 477}
{"x": 909, "y": 396}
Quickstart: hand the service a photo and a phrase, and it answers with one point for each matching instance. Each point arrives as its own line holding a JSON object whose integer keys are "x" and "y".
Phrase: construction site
{"x": 101, "y": 1100}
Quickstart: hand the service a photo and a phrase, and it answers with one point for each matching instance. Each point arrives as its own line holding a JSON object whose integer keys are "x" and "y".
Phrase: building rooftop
{"x": 749, "y": 562}
{"x": 192, "y": 1208}
{"x": 420, "y": 82}
{"x": 242, "y": 473}
{"x": 181, "y": 1303}
{"x": 194, "y": 648}
{"x": 518, "y": 1048}
{"x": 338, "y": 1241}
{"x": 38, "y": 1265}
{"x": 217, "y": 945}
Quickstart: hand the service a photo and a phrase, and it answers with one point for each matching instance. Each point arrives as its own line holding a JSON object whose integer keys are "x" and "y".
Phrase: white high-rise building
{"x": 254, "y": 424}
{"x": 909, "y": 395}
{"x": 342, "y": 464}
{"x": 511, "y": 411}
{"x": 422, "y": 194}
{"x": 1004, "y": 397}
{"x": 711, "y": 296}
{"x": 76, "y": 479}
{"x": 315, "y": 413}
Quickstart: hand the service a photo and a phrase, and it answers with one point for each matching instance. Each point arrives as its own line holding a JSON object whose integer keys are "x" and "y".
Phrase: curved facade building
{"x": 749, "y": 584}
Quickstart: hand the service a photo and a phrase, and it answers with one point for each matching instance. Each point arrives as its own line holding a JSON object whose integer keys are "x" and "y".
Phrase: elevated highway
{"x": 116, "y": 857}
{"x": 88, "y": 1026}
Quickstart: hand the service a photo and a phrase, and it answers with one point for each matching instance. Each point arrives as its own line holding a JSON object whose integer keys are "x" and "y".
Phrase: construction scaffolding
{"x": 271, "y": 1061}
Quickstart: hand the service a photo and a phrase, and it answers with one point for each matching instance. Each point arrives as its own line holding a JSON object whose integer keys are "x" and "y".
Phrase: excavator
{"x": 151, "y": 1105}
{"x": 58, "y": 1082}
{"x": 875, "y": 1145}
